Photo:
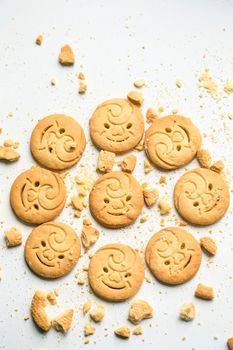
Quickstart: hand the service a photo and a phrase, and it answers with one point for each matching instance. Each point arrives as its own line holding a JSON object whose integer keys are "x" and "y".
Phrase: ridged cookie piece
{"x": 38, "y": 311}
{"x": 62, "y": 322}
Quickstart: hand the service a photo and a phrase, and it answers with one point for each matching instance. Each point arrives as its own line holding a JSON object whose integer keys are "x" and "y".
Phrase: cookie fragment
{"x": 209, "y": 245}
{"x": 89, "y": 329}
{"x": 139, "y": 310}
{"x": 151, "y": 196}
{"x": 89, "y": 235}
{"x": 164, "y": 207}
{"x": 204, "y": 158}
{"x": 230, "y": 343}
{"x": 204, "y": 292}
{"x": 13, "y": 237}
{"x": 147, "y": 166}
{"x": 228, "y": 87}
{"x": 39, "y": 39}
{"x": 38, "y": 312}
{"x": 137, "y": 330}
{"x": 51, "y": 296}
{"x": 122, "y": 332}
{"x": 135, "y": 97}
{"x": 62, "y": 322}
{"x": 98, "y": 313}
{"x": 66, "y": 56}
{"x": 188, "y": 312}
{"x": 139, "y": 83}
{"x": 217, "y": 166}
{"x": 82, "y": 87}
{"x": 128, "y": 163}
{"x": 105, "y": 161}
{"x": 87, "y": 306}
{"x": 8, "y": 154}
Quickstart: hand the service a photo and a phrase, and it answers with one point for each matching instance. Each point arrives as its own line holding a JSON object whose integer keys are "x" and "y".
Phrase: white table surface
{"x": 116, "y": 42}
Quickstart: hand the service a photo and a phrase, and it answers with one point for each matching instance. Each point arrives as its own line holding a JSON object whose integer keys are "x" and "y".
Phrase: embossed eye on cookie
{"x": 116, "y": 125}
{"x": 38, "y": 195}
{"x": 173, "y": 255}
{"x": 172, "y": 141}
{"x": 52, "y": 249}
{"x": 201, "y": 196}
{"x": 116, "y": 272}
{"x": 57, "y": 142}
{"x": 116, "y": 199}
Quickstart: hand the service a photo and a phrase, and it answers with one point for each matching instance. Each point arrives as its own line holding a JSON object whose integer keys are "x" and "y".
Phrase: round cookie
{"x": 38, "y": 195}
{"x": 116, "y": 199}
{"x": 173, "y": 255}
{"x": 52, "y": 249}
{"x": 116, "y": 125}
{"x": 116, "y": 272}
{"x": 57, "y": 142}
{"x": 201, "y": 196}
{"x": 172, "y": 141}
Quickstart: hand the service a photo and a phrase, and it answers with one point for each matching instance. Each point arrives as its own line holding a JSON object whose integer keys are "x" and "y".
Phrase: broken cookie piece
{"x": 204, "y": 292}
{"x": 139, "y": 310}
{"x": 209, "y": 245}
{"x": 39, "y": 39}
{"x": 51, "y": 296}
{"x": 151, "y": 196}
{"x": 147, "y": 166}
{"x": 8, "y": 154}
{"x": 122, "y": 332}
{"x": 217, "y": 166}
{"x": 66, "y": 56}
{"x": 62, "y": 322}
{"x": 89, "y": 329}
{"x": 188, "y": 312}
{"x": 13, "y": 237}
{"x": 137, "y": 330}
{"x": 128, "y": 163}
{"x": 135, "y": 97}
{"x": 164, "y": 207}
{"x": 230, "y": 343}
{"x": 82, "y": 88}
{"x": 204, "y": 158}
{"x": 87, "y": 306}
{"x": 98, "y": 313}
{"x": 89, "y": 235}
{"x": 105, "y": 161}
{"x": 38, "y": 312}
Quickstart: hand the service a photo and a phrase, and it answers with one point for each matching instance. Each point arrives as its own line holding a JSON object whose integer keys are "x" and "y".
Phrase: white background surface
{"x": 117, "y": 42}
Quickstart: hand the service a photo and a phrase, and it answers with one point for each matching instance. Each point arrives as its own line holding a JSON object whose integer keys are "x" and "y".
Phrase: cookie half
{"x": 57, "y": 142}
{"x": 52, "y": 249}
{"x": 116, "y": 272}
{"x": 201, "y": 196}
{"x": 116, "y": 199}
{"x": 173, "y": 255}
{"x": 172, "y": 141}
{"x": 38, "y": 195}
{"x": 116, "y": 125}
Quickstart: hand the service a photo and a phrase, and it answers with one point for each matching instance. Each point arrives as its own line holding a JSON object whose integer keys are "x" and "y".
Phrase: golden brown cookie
{"x": 201, "y": 196}
{"x": 172, "y": 141}
{"x": 37, "y": 195}
{"x": 116, "y": 199}
{"x": 173, "y": 255}
{"x": 116, "y": 125}
{"x": 116, "y": 272}
{"x": 57, "y": 142}
{"x": 52, "y": 249}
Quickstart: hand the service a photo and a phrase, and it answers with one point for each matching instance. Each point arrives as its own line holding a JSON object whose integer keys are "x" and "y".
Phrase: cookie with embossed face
{"x": 52, "y": 249}
{"x": 57, "y": 142}
{"x": 116, "y": 125}
{"x": 173, "y": 255}
{"x": 38, "y": 195}
{"x": 116, "y": 199}
{"x": 116, "y": 272}
{"x": 201, "y": 196}
{"x": 172, "y": 141}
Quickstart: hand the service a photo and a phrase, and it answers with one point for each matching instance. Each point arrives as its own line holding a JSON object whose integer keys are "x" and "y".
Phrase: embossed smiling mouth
{"x": 116, "y": 214}
{"x": 43, "y": 262}
{"x": 120, "y": 140}
{"x": 109, "y": 286}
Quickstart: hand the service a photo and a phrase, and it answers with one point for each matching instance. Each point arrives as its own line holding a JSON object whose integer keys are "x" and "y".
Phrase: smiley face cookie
{"x": 37, "y": 195}
{"x": 116, "y": 199}
{"x": 57, "y": 142}
{"x": 117, "y": 126}
{"x": 52, "y": 249}
{"x": 173, "y": 255}
{"x": 172, "y": 141}
{"x": 116, "y": 272}
{"x": 201, "y": 196}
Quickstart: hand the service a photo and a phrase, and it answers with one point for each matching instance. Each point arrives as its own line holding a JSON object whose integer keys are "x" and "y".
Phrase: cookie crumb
{"x": 122, "y": 332}
{"x": 188, "y": 312}
{"x": 89, "y": 235}
{"x": 128, "y": 163}
{"x": 62, "y": 322}
{"x": 8, "y": 154}
{"x": 66, "y": 56}
{"x": 228, "y": 87}
{"x": 206, "y": 81}
{"x": 209, "y": 245}
{"x": 137, "y": 330}
{"x": 204, "y": 292}
{"x": 204, "y": 158}
{"x": 178, "y": 83}
{"x": 139, "y": 83}
{"x": 151, "y": 115}
{"x": 135, "y": 97}
{"x": 164, "y": 207}
{"x": 51, "y": 296}
{"x": 81, "y": 76}
{"x": 150, "y": 196}
{"x": 89, "y": 329}
{"x": 13, "y": 237}
{"x": 26, "y": 317}
{"x": 98, "y": 313}
{"x": 53, "y": 82}
{"x": 147, "y": 166}
{"x": 230, "y": 343}
{"x": 82, "y": 88}
{"x": 139, "y": 310}
{"x": 39, "y": 40}
{"x": 140, "y": 146}
{"x": 217, "y": 166}
{"x": 106, "y": 161}
{"x": 87, "y": 306}
{"x": 162, "y": 180}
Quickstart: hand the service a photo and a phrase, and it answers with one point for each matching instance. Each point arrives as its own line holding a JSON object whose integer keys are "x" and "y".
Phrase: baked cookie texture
{"x": 201, "y": 196}
{"x": 116, "y": 125}
{"x": 116, "y": 199}
{"x": 172, "y": 141}
{"x": 52, "y": 249}
{"x": 57, "y": 142}
{"x": 37, "y": 195}
{"x": 116, "y": 272}
{"x": 173, "y": 255}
